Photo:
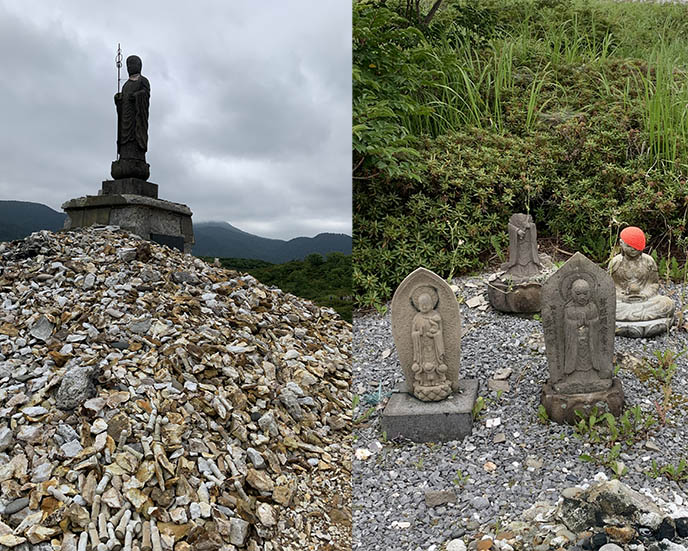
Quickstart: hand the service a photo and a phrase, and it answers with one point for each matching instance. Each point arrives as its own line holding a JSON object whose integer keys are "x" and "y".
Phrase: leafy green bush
{"x": 325, "y": 281}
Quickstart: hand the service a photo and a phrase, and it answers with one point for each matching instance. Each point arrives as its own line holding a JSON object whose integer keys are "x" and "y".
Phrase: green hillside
{"x": 573, "y": 110}
{"x": 325, "y": 281}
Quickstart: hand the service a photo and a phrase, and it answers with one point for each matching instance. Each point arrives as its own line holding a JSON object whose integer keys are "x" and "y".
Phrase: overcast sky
{"x": 250, "y": 113}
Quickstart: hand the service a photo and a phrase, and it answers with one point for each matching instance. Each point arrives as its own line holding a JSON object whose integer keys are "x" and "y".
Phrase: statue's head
{"x": 134, "y": 64}
{"x": 632, "y": 241}
{"x": 580, "y": 292}
{"x": 425, "y": 303}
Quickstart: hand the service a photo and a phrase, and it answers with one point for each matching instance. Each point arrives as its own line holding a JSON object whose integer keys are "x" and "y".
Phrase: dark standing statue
{"x": 132, "y": 124}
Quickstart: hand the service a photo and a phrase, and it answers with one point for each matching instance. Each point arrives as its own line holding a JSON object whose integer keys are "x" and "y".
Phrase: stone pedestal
{"x": 508, "y": 296}
{"x": 129, "y": 186}
{"x": 132, "y": 204}
{"x": 643, "y": 329}
{"x": 443, "y": 421}
{"x": 561, "y": 408}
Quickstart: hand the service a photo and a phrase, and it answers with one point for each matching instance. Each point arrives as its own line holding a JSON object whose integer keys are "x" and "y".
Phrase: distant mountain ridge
{"x": 224, "y": 240}
{"x": 21, "y": 218}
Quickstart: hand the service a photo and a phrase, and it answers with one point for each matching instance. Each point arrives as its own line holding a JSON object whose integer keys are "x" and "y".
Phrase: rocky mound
{"x": 150, "y": 401}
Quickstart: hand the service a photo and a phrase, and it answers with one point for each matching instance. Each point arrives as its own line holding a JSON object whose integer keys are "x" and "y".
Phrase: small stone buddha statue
{"x": 640, "y": 310}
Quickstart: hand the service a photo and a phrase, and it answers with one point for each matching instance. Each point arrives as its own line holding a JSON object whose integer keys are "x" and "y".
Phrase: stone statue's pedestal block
{"x": 522, "y": 297}
{"x": 443, "y": 421}
{"x": 561, "y": 408}
{"x": 639, "y": 329}
{"x": 130, "y": 186}
{"x": 156, "y": 220}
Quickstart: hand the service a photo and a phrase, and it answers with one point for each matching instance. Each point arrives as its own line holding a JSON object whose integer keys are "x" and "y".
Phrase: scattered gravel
{"x": 493, "y": 482}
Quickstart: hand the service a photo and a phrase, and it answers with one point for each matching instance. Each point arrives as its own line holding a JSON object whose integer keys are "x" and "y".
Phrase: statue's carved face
{"x": 425, "y": 303}
{"x": 580, "y": 291}
{"x": 629, "y": 251}
{"x": 134, "y": 64}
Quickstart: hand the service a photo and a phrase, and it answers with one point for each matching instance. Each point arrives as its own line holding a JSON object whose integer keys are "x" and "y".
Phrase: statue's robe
{"x": 132, "y": 119}
{"x": 582, "y": 335}
{"x": 523, "y": 256}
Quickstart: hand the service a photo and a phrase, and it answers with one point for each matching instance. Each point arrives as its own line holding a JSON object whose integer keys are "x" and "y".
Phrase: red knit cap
{"x": 633, "y": 237}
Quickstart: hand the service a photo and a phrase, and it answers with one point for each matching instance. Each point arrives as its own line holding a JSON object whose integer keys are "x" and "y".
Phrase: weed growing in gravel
{"x": 659, "y": 374}
{"x": 461, "y": 478}
{"x": 478, "y": 407}
{"x": 634, "y": 425}
{"x": 608, "y": 460}
{"x": 678, "y": 473}
{"x": 365, "y": 415}
{"x": 542, "y": 415}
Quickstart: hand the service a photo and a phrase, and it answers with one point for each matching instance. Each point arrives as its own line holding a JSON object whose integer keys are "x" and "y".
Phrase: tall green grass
{"x": 666, "y": 107}
{"x": 468, "y": 84}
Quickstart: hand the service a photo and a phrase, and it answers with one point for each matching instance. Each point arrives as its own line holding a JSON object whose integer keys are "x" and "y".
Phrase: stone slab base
{"x": 639, "y": 329}
{"x": 157, "y": 220}
{"x": 561, "y": 408}
{"x": 443, "y": 421}
{"x": 523, "y": 297}
{"x": 130, "y": 186}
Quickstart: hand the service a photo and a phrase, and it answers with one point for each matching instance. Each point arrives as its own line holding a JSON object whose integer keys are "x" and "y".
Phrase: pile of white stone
{"x": 150, "y": 402}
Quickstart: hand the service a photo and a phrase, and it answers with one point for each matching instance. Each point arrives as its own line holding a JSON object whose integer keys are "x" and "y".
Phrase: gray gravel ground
{"x": 535, "y": 462}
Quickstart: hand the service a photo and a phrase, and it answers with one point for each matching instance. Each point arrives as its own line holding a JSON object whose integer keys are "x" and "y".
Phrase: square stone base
{"x": 129, "y": 186}
{"x": 562, "y": 408}
{"x": 156, "y": 220}
{"x": 443, "y": 421}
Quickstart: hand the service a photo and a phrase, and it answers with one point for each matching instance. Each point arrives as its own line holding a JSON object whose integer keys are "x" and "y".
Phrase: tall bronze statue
{"x": 132, "y": 124}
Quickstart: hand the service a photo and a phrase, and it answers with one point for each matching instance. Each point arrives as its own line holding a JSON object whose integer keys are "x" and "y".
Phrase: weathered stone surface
{"x": 518, "y": 287}
{"x": 6, "y": 439}
{"x": 77, "y": 386}
{"x": 640, "y": 310}
{"x": 516, "y": 297}
{"x": 130, "y": 186}
{"x": 238, "y": 531}
{"x": 578, "y": 304}
{"x": 581, "y": 509}
{"x": 141, "y": 215}
{"x": 426, "y": 325}
{"x": 562, "y": 408}
{"x": 442, "y": 421}
{"x": 42, "y": 329}
{"x": 524, "y": 261}
{"x": 434, "y": 498}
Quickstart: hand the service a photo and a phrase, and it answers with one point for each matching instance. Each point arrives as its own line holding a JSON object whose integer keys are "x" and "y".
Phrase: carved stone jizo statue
{"x": 523, "y": 254}
{"x": 518, "y": 287}
{"x": 432, "y": 404}
{"x": 426, "y": 325}
{"x": 429, "y": 368}
{"x": 578, "y": 305}
{"x": 640, "y": 310}
{"x": 132, "y": 105}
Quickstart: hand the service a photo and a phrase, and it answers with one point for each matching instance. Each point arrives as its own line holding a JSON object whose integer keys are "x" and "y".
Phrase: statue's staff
{"x": 118, "y": 62}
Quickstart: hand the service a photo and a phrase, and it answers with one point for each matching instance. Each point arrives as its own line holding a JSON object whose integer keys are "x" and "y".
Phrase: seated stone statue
{"x": 640, "y": 310}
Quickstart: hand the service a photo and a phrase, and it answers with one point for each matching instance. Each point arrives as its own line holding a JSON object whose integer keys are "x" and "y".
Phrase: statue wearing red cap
{"x": 640, "y": 310}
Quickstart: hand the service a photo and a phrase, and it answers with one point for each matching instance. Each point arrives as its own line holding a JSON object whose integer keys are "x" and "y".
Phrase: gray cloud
{"x": 250, "y": 106}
